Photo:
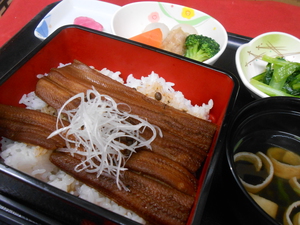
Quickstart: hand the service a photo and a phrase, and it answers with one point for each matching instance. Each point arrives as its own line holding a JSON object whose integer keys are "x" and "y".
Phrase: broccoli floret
{"x": 200, "y": 48}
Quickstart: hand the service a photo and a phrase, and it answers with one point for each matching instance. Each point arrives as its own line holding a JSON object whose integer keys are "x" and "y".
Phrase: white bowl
{"x": 131, "y": 19}
{"x": 248, "y": 56}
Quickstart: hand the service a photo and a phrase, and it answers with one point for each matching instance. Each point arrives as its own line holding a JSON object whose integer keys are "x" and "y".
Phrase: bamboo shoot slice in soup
{"x": 267, "y": 205}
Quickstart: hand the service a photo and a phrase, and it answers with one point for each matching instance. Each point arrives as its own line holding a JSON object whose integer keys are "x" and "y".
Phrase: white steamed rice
{"x": 34, "y": 160}
{"x": 153, "y": 83}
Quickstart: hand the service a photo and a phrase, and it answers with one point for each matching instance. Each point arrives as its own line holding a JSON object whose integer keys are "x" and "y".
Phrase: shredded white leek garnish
{"x": 95, "y": 130}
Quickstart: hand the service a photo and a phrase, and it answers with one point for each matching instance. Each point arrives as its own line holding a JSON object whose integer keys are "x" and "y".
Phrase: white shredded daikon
{"x": 95, "y": 129}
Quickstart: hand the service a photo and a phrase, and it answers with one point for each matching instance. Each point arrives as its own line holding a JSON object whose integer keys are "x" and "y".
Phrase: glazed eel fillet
{"x": 29, "y": 126}
{"x": 161, "y": 183}
{"x": 160, "y": 190}
{"x": 156, "y": 202}
{"x": 186, "y": 139}
{"x": 34, "y": 127}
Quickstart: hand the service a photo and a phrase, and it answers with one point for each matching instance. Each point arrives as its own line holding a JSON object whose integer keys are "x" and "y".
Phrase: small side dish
{"x": 252, "y": 61}
{"x": 89, "y": 13}
{"x": 173, "y": 20}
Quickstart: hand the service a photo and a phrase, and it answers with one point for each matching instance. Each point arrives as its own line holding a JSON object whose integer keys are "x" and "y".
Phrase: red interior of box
{"x": 198, "y": 83}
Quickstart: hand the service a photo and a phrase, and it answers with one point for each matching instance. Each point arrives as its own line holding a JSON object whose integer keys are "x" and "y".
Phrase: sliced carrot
{"x": 152, "y": 37}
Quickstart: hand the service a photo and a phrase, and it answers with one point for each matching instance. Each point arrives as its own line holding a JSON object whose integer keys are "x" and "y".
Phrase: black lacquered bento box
{"x": 197, "y": 81}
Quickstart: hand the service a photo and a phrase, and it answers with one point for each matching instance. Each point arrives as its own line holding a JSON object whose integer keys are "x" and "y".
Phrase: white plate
{"x": 248, "y": 56}
{"x": 131, "y": 19}
{"x": 66, "y": 11}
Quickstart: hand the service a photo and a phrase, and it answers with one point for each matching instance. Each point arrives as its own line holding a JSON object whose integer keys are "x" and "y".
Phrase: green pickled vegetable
{"x": 281, "y": 78}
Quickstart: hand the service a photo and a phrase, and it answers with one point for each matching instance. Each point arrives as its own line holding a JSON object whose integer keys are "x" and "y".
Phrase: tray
{"x": 220, "y": 206}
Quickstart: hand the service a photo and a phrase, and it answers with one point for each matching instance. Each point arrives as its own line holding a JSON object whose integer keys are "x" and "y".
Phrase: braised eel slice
{"x": 155, "y": 202}
{"x": 55, "y": 94}
{"x": 186, "y": 138}
{"x": 29, "y": 126}
{"x": 164, "y": 170}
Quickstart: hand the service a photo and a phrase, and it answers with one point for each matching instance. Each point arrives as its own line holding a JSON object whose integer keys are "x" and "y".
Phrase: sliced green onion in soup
{"x": 258, "y": 160}
{"x": 286, "y": 163}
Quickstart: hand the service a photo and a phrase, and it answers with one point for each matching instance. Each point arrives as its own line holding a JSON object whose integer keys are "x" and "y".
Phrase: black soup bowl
{"x": 263, "y": 153}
